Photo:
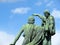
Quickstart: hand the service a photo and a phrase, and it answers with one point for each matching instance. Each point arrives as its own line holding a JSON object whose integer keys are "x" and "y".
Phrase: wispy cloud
{"x": 11, "y": 0}
{"x": 46, "y": 1}
{"x": 6, "y": 39}
{"x": 50, "y": 3}
{"x": 56, "y": 13}
{"x": 23, "y": 10}
{"x": 38, "y": 3}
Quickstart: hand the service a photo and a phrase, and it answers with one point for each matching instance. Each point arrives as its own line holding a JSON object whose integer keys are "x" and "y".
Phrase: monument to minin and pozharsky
{"x": 37, "y": 35}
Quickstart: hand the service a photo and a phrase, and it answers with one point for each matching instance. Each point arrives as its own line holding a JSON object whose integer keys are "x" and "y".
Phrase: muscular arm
{"x": 40, "y": 16}
{"x": 18, "y": 35}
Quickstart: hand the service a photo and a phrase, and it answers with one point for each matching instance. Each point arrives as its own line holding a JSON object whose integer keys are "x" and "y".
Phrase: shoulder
{"x": 25, "y": 25}
{"x": 51, "y": 17}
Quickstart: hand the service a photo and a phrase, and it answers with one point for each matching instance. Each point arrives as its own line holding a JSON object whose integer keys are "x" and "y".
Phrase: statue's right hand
{"x": 35, "y": 14}
{"x": 12, "y": 44}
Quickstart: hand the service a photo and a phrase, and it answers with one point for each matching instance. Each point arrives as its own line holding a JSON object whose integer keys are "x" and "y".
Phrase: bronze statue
{"x": 49, "y": 26}
{"x": 38, "y": 35}
{"x": 29, "y": 32}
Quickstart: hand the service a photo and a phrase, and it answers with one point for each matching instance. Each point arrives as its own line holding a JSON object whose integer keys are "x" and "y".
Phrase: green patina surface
{"x": 37, "y": 35}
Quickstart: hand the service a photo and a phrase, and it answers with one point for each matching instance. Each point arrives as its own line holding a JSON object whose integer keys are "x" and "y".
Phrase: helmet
{"x": 31, "y": 20}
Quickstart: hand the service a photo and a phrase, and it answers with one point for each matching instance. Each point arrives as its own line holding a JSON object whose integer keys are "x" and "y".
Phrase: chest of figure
{"x": 47, "y": 20}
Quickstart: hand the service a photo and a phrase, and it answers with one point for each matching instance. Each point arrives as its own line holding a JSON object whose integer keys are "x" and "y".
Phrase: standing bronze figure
{"x": 48, "y": 23}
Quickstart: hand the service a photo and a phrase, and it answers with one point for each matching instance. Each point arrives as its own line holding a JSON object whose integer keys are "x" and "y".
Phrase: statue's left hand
{"x": 34, "y": 14}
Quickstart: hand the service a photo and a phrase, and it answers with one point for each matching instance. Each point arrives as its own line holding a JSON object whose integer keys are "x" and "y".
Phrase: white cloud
{"x": 38, "y": 3}
{"x": 22, "y": 10}
{"x": 56, "y": 38}
{"x": 56, "y": 13}
{"x": 6, "y": 39}
{"x": 10, "y": 0}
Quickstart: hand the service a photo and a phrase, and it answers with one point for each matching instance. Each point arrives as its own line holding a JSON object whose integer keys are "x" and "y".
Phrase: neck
{"x": 46, "y": 17}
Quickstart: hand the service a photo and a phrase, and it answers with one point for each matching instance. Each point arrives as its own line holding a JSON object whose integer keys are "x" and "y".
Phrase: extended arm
{"x": 40, "y": 16}
{"x": 17, "y": 37}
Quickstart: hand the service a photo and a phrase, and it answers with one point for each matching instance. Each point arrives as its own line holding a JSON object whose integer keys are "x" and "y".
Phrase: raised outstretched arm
{"x": 40, "y": 16}
{"x": 17, "y": 37}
